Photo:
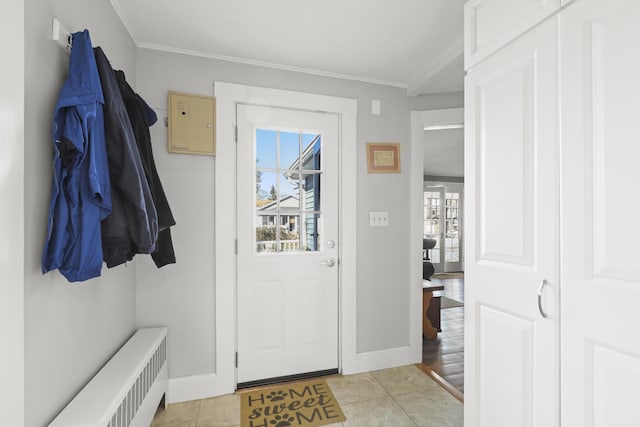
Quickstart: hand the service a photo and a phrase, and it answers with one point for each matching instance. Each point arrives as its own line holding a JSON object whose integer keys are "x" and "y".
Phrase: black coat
{"x": 142, "y": 117}
{"x": 132, "y": 226}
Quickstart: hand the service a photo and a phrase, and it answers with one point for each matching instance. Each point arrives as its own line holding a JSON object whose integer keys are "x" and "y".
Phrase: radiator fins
{"x": 128, "y": 408}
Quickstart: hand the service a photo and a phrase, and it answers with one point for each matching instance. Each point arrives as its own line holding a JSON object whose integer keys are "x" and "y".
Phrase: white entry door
{"x": 511, "y": 263}
{"x": 287, "y": 231}
{"x": 601, "y": 213}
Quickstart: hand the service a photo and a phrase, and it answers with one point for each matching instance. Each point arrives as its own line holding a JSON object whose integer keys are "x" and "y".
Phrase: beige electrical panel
{"x": 192, "y": 124}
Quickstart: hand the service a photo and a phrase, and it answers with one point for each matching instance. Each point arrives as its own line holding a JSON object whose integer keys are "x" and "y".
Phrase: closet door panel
{"x": 611, "y": 372}
{"x": 491, "y": 24}
{"x": 600, "y": 212}
{"x": 512, "y": 192}
{"x": 497, "y": 327}
{"x": 504, "y": 165}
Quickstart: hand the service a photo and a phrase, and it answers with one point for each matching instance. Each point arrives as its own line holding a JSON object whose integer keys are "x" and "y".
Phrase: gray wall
{"x": 183, "y": 295}
{"x": 71, "y": 330}
{"x": 438, "y": 101}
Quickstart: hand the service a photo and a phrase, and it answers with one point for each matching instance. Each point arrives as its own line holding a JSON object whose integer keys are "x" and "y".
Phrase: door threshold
{"x": 286, "y": 379}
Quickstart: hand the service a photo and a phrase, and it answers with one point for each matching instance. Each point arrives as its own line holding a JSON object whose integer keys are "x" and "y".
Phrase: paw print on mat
{"x": 277, "y": 396}
{"x": 283, "y": 420}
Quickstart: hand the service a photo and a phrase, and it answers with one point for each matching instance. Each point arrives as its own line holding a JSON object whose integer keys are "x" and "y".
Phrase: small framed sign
{"x": 383, "y": 157}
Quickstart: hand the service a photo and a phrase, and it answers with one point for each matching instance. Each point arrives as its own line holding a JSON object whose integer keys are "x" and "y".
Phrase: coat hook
{"x": 61, "y": 36}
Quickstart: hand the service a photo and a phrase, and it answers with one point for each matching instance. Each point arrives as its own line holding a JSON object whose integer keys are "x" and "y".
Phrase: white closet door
{"x": 600, "y": 213}
{"x": 511, "y": 200}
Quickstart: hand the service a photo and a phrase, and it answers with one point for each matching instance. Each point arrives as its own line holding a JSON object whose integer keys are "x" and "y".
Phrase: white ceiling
{"x": 414, "y": 44}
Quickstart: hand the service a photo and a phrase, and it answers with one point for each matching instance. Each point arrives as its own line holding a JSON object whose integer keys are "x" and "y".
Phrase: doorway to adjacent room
{"x": 438, "y": 141}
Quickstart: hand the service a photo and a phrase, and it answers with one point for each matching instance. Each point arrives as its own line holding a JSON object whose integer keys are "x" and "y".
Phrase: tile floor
{"x": 395, "y": 397}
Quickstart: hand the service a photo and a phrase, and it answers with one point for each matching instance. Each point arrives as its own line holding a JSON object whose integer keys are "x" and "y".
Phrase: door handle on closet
{"x": 540, "y": 290}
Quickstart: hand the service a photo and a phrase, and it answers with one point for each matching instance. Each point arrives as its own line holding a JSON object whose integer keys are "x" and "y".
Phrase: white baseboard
{"x": 196, "y": 387}
{"x": 384, "y": 359}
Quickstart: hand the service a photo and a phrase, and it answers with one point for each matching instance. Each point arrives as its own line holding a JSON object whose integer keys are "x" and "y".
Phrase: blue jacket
{"x": 81, "y": 190}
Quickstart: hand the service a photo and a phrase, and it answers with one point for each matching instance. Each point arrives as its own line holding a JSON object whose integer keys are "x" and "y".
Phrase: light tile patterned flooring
{"x": 395, "y": 397}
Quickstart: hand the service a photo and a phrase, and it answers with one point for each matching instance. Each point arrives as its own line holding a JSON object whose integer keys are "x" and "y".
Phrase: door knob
{"x": 329, "y": 263}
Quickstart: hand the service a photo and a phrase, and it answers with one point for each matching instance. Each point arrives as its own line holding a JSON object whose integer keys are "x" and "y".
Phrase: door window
{"x": 288, "y": 191}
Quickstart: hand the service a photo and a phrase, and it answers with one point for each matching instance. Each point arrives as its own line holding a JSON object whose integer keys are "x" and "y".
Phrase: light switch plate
{"x": 378, "y": 219}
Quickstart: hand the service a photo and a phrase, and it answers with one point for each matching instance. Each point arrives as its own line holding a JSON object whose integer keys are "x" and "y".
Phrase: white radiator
{"x": 127, "y": 391}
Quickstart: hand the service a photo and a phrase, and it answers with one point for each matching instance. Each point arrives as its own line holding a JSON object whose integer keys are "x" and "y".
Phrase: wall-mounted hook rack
{"x": 61, "y": 36}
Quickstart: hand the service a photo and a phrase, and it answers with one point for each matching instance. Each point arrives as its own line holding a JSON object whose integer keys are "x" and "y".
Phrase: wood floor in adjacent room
{"x": 445, "y": 355}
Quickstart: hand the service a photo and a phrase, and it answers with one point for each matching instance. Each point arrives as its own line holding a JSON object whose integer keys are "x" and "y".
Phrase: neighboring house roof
{"x": 307, "y": 155}
{"x": 287, "y": 203}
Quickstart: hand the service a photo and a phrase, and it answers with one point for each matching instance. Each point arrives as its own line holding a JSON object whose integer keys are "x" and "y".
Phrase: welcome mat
{"x": 308, "y": 404}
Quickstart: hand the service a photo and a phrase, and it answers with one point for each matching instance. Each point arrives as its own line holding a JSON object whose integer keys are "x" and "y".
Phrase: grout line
{"x": 414, "y": 422}
{"x": 393, "y": 399}
{"x": 419, "y": 390}
{"x": 197, "y": 418}
{"x": 365, "y": 399}
{"x": 379, "y": 383}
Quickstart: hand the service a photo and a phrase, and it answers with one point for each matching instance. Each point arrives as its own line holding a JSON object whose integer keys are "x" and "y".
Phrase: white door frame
{"x": 227, "y": 96}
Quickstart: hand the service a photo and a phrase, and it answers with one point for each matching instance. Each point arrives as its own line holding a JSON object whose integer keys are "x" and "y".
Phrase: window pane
{"x": 452, "y": 251}
{"x": 266, "y": 148}
{"x": 289, "y": 192}
{"x": 307, "y": 138}
{"x": 432, "y": 228}
{"x": 434, "y": 253}
{"x": 289, "y": 233}
{"x": 432, "y": 214}
{"x": 311, "y": 152}
{"x": 289, "y": 150}
{"x": 267, "y": 241}
{"x": 311, "y": 194}
{"x": 266, "y": 189}
{"x": 266, "y": 233}
{"x": 310, "y": 232}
